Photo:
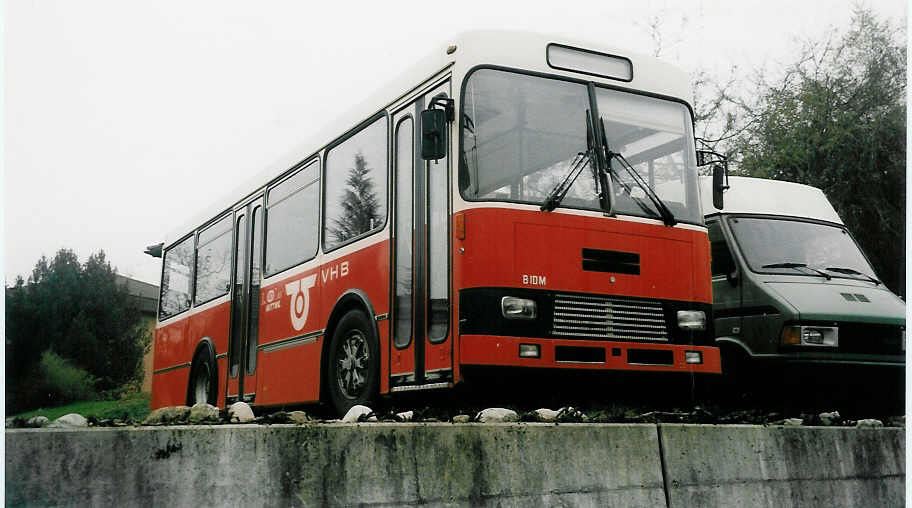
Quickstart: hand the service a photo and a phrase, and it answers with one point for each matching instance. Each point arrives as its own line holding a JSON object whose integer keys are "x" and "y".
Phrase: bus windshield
{"x": 793, "y": 247}
{"x": 521, "y": 134}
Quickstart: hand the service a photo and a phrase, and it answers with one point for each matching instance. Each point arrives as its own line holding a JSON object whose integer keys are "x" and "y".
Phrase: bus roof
{"x": 501, "y": 48}
{"x": 769, "y": 197}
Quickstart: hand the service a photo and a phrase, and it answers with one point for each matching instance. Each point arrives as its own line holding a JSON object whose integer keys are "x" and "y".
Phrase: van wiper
{"x": 798, "y": 265}
{"x": 667, "y": 217}
{"x": 554, "y": 198}
{"x": 850, "y": 271}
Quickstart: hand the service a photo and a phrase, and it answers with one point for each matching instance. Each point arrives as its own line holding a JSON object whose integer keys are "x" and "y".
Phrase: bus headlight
{"x": 824, "y": 336}
{"x": 518, "y": 308}
{"x": 692, "y": 320}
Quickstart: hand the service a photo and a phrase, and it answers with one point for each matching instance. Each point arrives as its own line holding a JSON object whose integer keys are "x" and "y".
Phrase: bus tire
{"x": 203, "y": 379}
{"x": 353, "y": 365}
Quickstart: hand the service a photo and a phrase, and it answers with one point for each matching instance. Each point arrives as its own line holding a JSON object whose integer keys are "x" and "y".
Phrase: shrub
{"x": 61, "y": 382}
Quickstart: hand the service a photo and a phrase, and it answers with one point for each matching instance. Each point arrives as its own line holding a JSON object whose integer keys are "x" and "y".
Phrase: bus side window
{"x": 213, "y": 261}
{"x": 722, "y": 262}
{"x": 356, "y": 185}
{"x": 175, "y": 286}
{"x": 292, "y": 218}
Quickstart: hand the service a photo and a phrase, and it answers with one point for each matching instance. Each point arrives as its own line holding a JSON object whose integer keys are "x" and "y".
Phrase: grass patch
{"x": 135, "y": 407}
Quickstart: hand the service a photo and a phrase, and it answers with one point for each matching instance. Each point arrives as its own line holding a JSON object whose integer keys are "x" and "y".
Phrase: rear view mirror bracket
{"x": 719, "y": 162}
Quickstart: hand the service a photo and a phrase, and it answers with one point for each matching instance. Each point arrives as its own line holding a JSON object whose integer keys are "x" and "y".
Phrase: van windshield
{"x": 795, "y": 247}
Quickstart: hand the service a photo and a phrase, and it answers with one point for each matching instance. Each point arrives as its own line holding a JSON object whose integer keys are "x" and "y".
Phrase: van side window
{"x": 722, "y": 263}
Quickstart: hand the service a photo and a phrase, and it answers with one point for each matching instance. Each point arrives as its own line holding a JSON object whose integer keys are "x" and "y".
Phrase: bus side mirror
{"x": 719, "y": 177}
{"x": 433, "y": 134}
{"x": 155, "y": 250}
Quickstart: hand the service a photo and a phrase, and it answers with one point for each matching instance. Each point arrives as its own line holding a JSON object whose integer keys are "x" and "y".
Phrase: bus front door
{"x": 245, "y": 301}
{"x": 421, "y": 352}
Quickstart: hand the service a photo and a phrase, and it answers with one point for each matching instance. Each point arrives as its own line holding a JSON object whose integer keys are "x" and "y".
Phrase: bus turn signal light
{"x": 460, "y": 226}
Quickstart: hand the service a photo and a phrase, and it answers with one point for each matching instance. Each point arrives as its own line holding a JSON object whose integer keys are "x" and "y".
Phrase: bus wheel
{"x": 353, "y": 365}
{"x": 202, "y": 379}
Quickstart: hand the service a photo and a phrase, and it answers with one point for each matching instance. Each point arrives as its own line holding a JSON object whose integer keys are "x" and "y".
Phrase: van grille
{"x": 865, "y": 338}
{"x": 604, "y": 317}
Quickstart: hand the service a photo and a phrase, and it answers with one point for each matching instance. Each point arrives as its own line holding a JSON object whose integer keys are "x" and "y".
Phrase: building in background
{"x": 145, "y": 297}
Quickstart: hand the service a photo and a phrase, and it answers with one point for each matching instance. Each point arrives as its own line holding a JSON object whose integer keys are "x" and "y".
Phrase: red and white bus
{"x": 515, "y": 200}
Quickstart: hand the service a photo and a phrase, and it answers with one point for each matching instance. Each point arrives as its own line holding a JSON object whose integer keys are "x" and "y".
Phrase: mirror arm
{"x": 448, "y": 105}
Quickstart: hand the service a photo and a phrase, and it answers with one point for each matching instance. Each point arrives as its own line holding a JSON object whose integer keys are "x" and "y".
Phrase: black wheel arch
{"x": 351, "y": 299}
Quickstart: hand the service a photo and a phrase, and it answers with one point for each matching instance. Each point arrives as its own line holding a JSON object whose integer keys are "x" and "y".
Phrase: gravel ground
{"x": 625, "y": 398}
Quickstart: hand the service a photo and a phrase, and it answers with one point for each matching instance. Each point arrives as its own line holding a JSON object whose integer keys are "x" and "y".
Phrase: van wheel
{"x": 353, "y": 366}
{"x": 202, "y": 386}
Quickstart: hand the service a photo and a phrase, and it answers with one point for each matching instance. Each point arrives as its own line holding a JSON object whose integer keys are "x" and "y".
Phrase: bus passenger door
{"x": 421, "y": 351}
{"x": 245, "y": 301}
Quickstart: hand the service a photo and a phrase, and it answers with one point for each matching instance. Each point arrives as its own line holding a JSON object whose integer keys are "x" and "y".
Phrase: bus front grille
{"x": 608, "y": 318}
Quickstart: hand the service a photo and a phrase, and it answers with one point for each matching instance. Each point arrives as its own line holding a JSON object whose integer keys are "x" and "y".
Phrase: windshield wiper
{"x": 667, "y": 217}
{"x": 580, "y": 161}
{"x": 850, "y": 271}
{"x": 557, "y": 194}
{"x": 798, "y": 265}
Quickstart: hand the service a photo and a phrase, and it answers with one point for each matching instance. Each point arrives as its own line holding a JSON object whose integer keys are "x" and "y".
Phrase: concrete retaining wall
{"x": 456, "y": 465}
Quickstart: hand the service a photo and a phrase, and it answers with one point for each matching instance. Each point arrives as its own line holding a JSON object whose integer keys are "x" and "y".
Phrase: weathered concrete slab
{"x": 783, "y": 466}
{"x": 337, "y": 465}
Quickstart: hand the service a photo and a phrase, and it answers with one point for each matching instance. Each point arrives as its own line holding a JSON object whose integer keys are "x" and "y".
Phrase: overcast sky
{"x": 122, "y": 119}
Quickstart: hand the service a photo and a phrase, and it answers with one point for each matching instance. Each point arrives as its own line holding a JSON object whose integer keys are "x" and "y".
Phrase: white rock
{"x": 571, "y": 413}
{"x": 869, "y": 423}
{"x": 10, "y": 421}
{"x": 497, "y": 415}
{"x": 299, "y": 417}
{"x": 405, "y": 416}
{"x": 792, "y": 422}
{"x": 69, "y": 421}
{"x": 462, "y": 419}
{"x": 828, "y": 419}
{"x": 172, "y": 414}
{"x": 546, "y": 415}
{"x": 356, "y": 412}
{"x": 897, "y": 421}
{"x": 37, "y": 421}
{"x": 202, "y": 412}
{"x": 240, "y": 412}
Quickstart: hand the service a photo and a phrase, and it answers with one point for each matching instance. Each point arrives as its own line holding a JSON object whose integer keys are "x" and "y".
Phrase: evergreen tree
{"x": 360, "y": 206}
{"x": 79, "y": 312}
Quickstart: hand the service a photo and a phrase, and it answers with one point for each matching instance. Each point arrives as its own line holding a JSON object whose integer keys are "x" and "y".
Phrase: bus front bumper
{"x": 495, "y": 350}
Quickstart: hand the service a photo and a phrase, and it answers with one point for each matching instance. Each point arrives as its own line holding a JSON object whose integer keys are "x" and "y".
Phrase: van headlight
{"x": 518, "y": 308}
{"x": 820, "y": 336}
{"x": 692, "y": 320}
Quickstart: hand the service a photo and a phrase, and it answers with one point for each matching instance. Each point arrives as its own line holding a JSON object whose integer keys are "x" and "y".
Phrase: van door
{"x": 726, "y": 288}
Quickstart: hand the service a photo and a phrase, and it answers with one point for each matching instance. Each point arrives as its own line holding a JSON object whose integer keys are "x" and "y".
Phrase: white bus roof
{"x": 501, "y": 48}
{"x": 770, "y": 197}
